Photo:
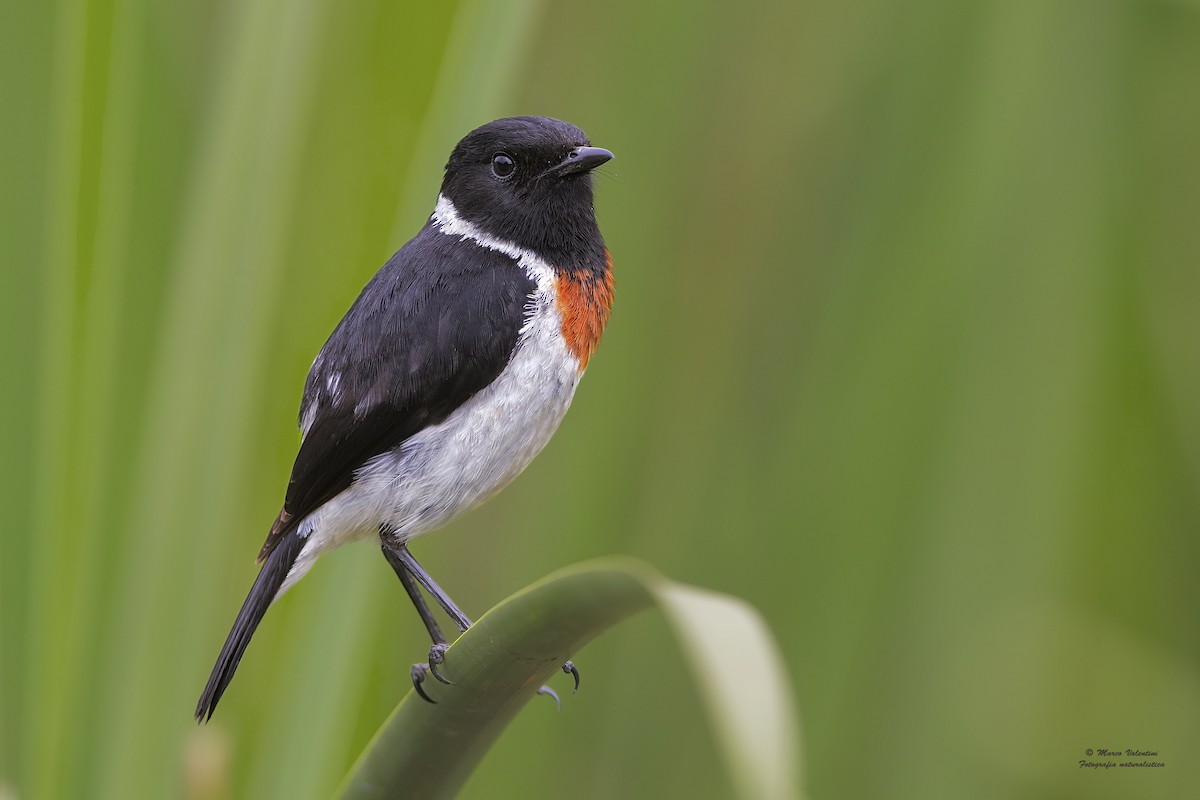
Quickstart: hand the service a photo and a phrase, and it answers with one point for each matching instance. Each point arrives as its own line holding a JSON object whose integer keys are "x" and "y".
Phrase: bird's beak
{"x": 581, "y": 159}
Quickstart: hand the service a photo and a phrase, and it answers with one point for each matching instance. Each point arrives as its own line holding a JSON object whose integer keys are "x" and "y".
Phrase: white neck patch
{"x": 446, "y": 218}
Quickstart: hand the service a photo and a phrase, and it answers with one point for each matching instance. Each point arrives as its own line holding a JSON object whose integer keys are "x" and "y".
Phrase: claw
{"x": 570, "y": 669}
{"x": 418, "y": 676}
{"x": 437, "y": 657}
{"x": 437, "y": 674}
{"x": 546, "y": 690}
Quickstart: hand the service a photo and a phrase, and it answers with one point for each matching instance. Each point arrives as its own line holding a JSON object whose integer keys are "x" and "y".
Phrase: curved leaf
{"x": 429, "y": 751}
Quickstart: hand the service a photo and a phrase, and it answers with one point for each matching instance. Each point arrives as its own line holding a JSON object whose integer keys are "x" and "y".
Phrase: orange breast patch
{"x": 585, "y": 301}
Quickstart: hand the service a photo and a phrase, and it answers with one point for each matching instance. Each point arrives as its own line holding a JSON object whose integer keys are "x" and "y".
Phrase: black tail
{"x": 265, "y": 587}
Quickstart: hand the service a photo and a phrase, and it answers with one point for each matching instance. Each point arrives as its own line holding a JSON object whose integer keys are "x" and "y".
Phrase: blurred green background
{"x": 905, "y": 352}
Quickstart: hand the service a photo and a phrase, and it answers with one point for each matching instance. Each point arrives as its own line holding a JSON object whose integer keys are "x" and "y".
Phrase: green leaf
{"x": 429, "y": 751}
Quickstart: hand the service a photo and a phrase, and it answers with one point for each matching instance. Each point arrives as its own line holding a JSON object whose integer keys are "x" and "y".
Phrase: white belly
{"x": 447, "y": 469}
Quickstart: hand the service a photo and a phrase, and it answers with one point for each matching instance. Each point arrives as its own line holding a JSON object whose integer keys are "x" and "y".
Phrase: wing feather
{"x": 435, "y": 325}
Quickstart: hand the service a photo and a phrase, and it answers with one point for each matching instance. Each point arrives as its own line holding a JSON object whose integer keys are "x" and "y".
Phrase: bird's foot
{"x": 437, "y": 657}
{"x": 548, "y": 692}
{"x": 570, "y": 669}
{"x": 419, "y": 670}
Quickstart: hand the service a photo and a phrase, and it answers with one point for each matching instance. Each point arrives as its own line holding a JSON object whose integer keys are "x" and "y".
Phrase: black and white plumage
{"x": 452, "y": 369}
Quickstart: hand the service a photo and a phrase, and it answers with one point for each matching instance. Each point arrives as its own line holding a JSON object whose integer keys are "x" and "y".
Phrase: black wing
{"x": 435, "y": 325}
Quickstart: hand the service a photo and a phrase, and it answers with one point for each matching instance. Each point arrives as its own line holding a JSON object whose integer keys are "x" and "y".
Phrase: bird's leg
{"x": 440, "y": 644}
{"x": 417, "y": 571}
{"x": 411, "y": 573}
{"x": 437, "y": 653}
{"x": 414, "y": 593}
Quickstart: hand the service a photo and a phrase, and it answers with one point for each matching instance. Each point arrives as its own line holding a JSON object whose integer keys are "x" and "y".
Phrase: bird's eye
{"x": 503, "y": 165}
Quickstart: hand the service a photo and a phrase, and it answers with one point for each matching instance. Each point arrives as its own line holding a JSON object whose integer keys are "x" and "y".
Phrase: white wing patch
{"x": 333, "y": 383}
{"x": 307, "y": 417}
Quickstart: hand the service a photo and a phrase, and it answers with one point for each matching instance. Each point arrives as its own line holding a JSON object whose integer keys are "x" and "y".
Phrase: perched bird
{"x": 450, "y": 372}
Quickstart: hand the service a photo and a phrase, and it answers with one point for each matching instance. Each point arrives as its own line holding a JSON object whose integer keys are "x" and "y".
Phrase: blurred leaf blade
{"x": 744, "y": 680}
{"x": 429, "y": 751}
{"x": 47, "y": 655}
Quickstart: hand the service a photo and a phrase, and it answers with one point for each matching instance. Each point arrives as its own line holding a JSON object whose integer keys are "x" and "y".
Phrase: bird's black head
{"x": 528, "y": 180}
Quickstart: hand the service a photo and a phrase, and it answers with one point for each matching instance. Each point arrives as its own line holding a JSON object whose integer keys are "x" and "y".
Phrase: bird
{"x": 448, "y": 374}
